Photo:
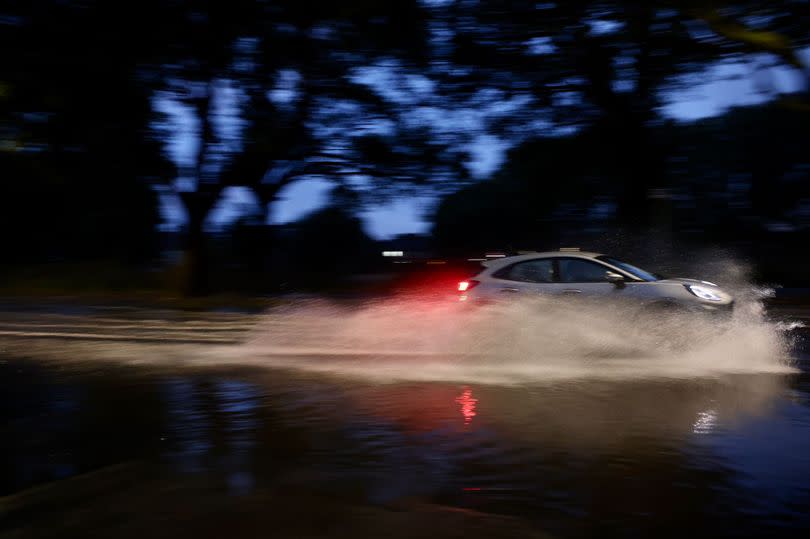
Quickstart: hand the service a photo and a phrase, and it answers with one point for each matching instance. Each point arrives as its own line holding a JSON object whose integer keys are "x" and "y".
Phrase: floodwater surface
{"x": 576, "y": 424}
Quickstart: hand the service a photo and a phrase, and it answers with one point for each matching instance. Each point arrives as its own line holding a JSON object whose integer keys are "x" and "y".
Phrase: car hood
{"x": 683, "y": 280}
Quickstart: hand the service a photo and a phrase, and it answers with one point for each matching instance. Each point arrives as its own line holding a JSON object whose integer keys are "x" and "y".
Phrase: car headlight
{"x": 703, "y": 293}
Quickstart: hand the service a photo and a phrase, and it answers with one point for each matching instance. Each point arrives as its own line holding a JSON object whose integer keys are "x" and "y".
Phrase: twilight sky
{"x": 722, "y": 86}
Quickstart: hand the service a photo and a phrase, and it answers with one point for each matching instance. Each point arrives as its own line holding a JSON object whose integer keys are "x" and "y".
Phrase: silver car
{"x": 582, "y": 274}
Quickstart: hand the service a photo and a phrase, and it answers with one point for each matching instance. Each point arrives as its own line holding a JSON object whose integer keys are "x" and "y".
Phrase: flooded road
{"x": 608, "y": 443}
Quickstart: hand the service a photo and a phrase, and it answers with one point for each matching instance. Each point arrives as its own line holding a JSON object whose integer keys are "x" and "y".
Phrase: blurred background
{"x": 256, "y": 147}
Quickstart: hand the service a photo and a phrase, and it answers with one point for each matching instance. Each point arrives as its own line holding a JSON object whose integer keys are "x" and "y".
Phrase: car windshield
{"x": 630, "y": 268}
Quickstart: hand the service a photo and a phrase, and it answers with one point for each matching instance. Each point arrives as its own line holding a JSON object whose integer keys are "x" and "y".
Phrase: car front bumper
{"x": 725, "y": 310}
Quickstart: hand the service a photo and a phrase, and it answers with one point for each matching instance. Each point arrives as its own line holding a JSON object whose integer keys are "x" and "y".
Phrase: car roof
{"x": 499, "y": 262}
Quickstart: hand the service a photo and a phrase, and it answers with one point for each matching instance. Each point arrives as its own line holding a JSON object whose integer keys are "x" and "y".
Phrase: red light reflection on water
{"x": 468, "y": 403}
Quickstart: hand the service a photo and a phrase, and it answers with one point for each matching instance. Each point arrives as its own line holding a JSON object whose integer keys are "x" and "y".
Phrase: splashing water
{"x": 531, "y": 340}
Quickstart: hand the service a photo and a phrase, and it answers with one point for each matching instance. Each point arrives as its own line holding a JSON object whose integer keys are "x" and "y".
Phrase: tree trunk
{"x": 198, "y": 203}
{"x": 196, "y": 278}
{"x": 196, "y": 274}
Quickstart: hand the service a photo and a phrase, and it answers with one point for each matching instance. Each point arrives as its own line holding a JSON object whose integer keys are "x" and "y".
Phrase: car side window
{"x": 531, "y": 271}
{"x": 575, "y": 270}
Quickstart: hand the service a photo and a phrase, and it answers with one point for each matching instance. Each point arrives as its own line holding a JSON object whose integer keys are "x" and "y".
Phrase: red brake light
{"x": 463, "y": 286}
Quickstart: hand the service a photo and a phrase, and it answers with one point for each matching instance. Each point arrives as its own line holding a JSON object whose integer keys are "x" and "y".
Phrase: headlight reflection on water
{"x": 705, "y": 422}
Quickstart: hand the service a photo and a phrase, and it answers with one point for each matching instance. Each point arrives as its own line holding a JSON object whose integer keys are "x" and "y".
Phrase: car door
{"x": 583, "y": 277}
{"x": 530, "y": 277}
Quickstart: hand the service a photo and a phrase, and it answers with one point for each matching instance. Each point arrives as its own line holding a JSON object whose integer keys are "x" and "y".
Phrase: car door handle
{"x": 572, "y": 291}
{"x": 510, "y": 290}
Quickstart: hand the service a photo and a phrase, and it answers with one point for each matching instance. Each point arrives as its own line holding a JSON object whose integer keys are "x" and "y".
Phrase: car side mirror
{"x": 615, "y": 278}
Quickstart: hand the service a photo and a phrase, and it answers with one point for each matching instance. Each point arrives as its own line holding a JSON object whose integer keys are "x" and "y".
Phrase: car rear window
{"x": 530, "y": 271}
